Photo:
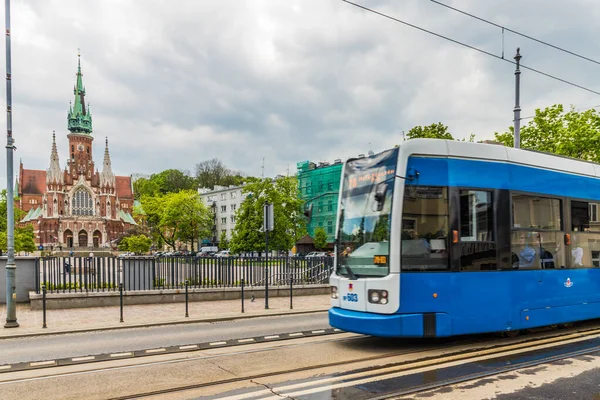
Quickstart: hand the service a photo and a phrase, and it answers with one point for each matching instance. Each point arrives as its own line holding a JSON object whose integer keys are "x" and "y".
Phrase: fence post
{"x": 291, "y": 291}
{"x": 44, "y": 306}
{"x": 121, "y": 299}
{"x": 186, "y": 299}
{"x": 242, "y": 295}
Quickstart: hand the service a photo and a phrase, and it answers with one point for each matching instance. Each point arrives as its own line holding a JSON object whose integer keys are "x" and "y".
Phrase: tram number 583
{"x": 352, "y": 297}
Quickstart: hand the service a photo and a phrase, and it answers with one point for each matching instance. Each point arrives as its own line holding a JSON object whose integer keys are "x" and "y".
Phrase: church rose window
{"x": 82, "y": 203}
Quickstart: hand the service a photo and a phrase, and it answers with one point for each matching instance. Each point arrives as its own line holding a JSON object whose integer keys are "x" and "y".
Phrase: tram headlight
{"x": 378, "y": 296}
{"x": 334, "y": 292}
{"x": 375, "y": 297}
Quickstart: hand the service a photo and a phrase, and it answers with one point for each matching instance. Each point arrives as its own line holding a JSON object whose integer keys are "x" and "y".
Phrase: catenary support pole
{"x": 517, "y": 121}
{"x": 11, "y": 268}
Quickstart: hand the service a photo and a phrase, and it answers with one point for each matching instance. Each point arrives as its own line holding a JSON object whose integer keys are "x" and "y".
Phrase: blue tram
{"x": 439, "y": 238}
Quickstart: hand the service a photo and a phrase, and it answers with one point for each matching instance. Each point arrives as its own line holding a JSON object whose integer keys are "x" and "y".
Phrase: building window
{"x": 233, "y": 195}
{"x": 330, "y": 227}
{"x": 594, "y": 212}
{"x": 223, "y": 196}
{"x": 330, "y": 186}
{"x": 330, "y": 205}
{"x": 232, "y": 219}
{"x": 320, "y": 186}
{"x": 224, "y": 220}
{"x": 223, "y": 208}
{"x": 596, "y": 258}
{"x": 233, "y": 207}
{"x": 82, "y": 203}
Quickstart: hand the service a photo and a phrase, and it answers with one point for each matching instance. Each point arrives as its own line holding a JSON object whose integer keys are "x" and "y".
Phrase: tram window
{"x": 585, "y": 250}
{"x": 584, "y": 216}
{"x": 476, "y": 216}
{"x": 425, "y": 228}
{"x": 538, "y": 250}
{"x": 532, "y": 212}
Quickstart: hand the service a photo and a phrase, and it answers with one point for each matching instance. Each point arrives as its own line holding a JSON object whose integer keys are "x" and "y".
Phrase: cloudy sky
{"x": 174, "y": 83}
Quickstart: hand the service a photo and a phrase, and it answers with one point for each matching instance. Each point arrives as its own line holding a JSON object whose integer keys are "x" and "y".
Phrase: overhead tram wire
{"x": 537, "y": 71}
{"x": 516, "y": 32}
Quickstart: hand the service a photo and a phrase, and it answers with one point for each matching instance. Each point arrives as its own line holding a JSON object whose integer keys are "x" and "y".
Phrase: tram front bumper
{"x": 390, "y": 325}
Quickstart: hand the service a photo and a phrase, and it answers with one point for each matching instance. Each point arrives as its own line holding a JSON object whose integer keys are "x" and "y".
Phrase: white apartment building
{"x": 224, "y": 202}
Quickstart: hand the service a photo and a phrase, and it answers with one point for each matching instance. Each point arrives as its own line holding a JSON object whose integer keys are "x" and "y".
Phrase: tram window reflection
{"x": 538, "y": 250}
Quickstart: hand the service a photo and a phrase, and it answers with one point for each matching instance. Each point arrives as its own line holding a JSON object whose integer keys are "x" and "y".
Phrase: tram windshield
{"x": 363, "y": 238}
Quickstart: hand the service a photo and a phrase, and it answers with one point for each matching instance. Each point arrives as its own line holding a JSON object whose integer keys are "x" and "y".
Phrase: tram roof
{"x": 498, "y": 153}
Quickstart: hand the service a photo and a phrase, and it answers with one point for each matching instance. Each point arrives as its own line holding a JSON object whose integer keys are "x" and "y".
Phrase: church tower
{"x": 80, "y": 137}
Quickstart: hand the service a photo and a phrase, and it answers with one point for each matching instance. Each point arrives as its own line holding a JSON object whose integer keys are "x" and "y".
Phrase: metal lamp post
{"x": 11, "y": 268}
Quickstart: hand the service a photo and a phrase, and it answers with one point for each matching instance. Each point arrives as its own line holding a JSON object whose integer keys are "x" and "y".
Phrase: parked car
{"x": 223, "y": 253}
{"x": 316, "y": 254}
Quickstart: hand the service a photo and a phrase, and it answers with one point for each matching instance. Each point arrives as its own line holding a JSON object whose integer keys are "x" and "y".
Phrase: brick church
{"x": 76, "y": 207}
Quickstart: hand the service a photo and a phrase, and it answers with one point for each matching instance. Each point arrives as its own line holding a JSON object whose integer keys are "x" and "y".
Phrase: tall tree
{"x": 223, "y": 242}
{"x": 320, "y": 240}
{"x": 554, "y": 130}
{"x": 214, "y": 172}
{"x": 289, "y": 224}
{"x": 167, "y": 181}
{"x": 433, "y": 131}
{"x": 24, "y": 237}
{"x": 177, "y": 216}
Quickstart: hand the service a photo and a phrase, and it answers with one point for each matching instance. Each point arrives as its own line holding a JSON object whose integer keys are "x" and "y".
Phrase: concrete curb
{"x": 165, "y": 323}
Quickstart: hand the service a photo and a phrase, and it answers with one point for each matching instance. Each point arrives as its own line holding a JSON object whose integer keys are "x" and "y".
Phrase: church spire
{"x": 54, "y": 175}
{"x": 107, "y": 178}
{"x": 79, "y": 119}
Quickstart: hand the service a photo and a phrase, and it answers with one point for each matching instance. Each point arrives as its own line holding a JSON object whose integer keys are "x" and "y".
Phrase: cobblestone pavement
{"x": 94, "y": 318}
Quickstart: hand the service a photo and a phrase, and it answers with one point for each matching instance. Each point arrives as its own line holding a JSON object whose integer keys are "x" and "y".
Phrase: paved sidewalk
{"x": 101, "y": 318}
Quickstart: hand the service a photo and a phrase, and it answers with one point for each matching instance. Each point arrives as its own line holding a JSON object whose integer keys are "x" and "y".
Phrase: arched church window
{"x": 82, "y": 203}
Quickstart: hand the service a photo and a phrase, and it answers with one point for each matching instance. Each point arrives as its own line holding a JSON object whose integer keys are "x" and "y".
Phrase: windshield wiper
{"x": 351, "y": 273}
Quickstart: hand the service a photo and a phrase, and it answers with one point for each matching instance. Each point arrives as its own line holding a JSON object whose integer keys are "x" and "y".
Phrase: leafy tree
{"x": 24, "y": 237}
{"x": 177, "y": 216}
{"x": 223, "y": 242}
{"x": 167, "y": 181}
{"x": 320, "y": 239}
{"x": 124, "y": 243}
{"x": 289, "y": 224}
{"x": 433, "y": 131}
{"x": 571, "y": 133}
{"x": 139, "y": 244}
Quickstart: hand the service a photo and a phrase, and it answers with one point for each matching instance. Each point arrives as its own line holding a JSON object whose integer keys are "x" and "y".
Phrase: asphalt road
{"x": 81, "y": 344}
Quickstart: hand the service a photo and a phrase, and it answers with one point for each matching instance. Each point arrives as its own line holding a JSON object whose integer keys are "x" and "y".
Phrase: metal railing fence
{"x": 99, "y": 274}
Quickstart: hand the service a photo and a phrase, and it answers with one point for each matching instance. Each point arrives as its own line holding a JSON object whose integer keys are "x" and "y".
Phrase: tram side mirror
{"x": 380, "y": 192}
{"x": 308, "y": 212}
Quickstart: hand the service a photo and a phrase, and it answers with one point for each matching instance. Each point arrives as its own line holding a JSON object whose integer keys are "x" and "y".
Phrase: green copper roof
{"x": 125, "y": 216}
{"x": 80, "y": 118}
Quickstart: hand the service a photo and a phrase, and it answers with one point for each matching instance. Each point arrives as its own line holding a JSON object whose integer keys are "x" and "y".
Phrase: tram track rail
{"x": 383, "y": 372}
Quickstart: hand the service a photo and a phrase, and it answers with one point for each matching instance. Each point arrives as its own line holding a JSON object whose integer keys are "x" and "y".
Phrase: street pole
{"x": 11, "y": 268}
{"x": 517, "y": 121}
{"x": 267, "y": 224}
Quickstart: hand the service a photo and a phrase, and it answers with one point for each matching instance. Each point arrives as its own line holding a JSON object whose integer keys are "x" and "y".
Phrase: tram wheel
{"x": 511, "y": 334}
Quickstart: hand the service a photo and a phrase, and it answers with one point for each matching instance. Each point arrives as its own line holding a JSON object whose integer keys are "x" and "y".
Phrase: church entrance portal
{"x": 68, "y": 238}
{"x": 97, "y": 238}
{"x": 83, "y": 239}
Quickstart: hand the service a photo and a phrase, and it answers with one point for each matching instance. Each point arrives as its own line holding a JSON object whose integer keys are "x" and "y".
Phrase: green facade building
{"x": 319, "y": 184}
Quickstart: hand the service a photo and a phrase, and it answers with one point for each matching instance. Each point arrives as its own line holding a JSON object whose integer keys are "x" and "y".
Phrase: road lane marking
{"x": 272, "y": 337}
{"x": 87, "y": 358}
{"x": 41, "y": 363}
{"x": 321, "y": 331}
{"x": 188, "y": 347}
{"x": 121, "y": 354}
{"x": 245, "y": 340}
{"x": 296, "y": 334}
{"x": 155, "y": 350}
{"x": 217, "y": 343}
